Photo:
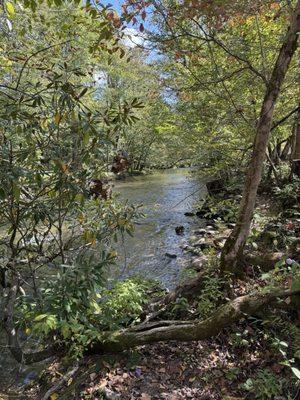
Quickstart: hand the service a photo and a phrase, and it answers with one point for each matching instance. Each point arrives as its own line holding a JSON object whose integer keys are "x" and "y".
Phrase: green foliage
{"x": 281, "y": 273}
{"x": 212, "y": 293}
{"x": 121, "y": 305}
{"x": 55, "y": 136}
{"x": 77, "y": 308}
{"x": 264, "y": 385}
{"x": 220, "y": 209}
{"x": 180, "y": 306}
{"x": 289, "y": 362}
{"x": 288, "y": 194}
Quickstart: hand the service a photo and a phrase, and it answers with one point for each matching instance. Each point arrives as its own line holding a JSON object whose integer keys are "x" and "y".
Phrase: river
{"x": 166, "y": 196}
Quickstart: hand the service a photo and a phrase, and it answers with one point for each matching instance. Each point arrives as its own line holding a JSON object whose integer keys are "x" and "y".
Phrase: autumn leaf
{"x": 10, "y": 9}
{"x": 145, "y": 396}
{"x": 57, "y": 118}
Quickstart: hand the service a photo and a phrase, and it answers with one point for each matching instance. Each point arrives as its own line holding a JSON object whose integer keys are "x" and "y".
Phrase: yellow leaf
{"x": 57, "y": 118}
{"x": 69, "y": 381}
{"x": 10, "y": 9}
{"x": 54, "y": 396}
{"x": 44, "y": 124}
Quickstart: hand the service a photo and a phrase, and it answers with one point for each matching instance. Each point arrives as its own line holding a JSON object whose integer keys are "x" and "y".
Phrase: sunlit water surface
{"x": 165, "y": 196}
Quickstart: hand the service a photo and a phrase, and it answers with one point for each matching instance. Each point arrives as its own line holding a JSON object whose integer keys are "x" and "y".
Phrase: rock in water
{"x": 189, "y": 214}
{"x": 170, "y": 255}
{"x": 179, "y": 230}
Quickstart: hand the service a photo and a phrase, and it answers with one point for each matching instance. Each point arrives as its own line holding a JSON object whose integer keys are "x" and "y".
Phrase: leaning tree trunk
{"x": 185, "y": 331}
{"x": 296, "y": 150}
{"x": 233, "y": 249}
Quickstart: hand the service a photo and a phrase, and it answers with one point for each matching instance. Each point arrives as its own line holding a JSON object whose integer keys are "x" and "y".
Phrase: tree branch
{"x": 35, "y": 54}
{"x": 282, "y": 120}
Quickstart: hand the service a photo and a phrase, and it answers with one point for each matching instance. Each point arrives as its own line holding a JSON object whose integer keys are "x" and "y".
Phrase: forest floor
{"x": 250, "y": 359}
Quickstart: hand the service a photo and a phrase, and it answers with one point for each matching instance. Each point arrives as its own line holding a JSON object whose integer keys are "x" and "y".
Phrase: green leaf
{"x": 2, "y": 193}
{"x": 296, "y": 371}
{"x": 40, "y": 317}
{"x": 297, "y": 354}
{"x": 10, "y": 9}
{"x": 86, "y": 138}
{"x": 16, "y": 192}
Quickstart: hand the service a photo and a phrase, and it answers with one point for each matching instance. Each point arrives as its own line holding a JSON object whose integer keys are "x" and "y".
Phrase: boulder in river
{"x": 179, "y": 230}
{"x": 209, "y": 227}
{"x": 189, "y": 214}
{"x": 171, "y": 255}
{"x": 200, "y": 232}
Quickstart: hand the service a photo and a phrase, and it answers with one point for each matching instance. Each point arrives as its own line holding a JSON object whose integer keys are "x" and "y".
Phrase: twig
{"x": 58, "y": 385}
{"x": 35, "y": 54}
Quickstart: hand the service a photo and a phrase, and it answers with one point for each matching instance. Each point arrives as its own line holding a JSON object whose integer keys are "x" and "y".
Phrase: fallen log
{"x": 224, "y": 316}
{"x": 152, "y": 332}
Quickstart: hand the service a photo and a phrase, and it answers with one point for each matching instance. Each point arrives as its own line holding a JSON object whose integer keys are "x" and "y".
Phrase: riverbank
{"x": 251, "y": 359}
{"x": 163, "y": 195}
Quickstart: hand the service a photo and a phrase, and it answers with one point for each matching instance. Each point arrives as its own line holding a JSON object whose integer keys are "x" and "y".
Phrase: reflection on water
{"x": 165, "y": 196}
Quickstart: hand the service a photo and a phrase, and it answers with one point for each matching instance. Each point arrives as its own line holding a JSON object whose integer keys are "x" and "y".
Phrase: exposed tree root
{"x": 189, "y": 330}
{"x": 151, "y": 332}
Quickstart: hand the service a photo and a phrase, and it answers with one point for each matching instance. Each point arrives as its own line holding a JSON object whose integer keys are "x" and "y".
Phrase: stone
{"x": 170, "y": 255}
{"x": 211, "y": 233}
{"x": 219, "y": 243}
{"x": 199, "y": 242}
{"x": 179, "y": 230}
{"x": 289, "y": 261}
{"x": 200, "y": 232}
{"x": 193, "y": 238}
{"x": 197, "y": 263}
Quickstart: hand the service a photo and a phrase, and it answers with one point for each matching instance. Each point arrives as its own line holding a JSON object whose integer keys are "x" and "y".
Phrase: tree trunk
{"x": 158, "y": 331}
{"x": 296, "y": 150}
{"x": 12, "y": 333}
{"x": 188, "y": 330}
{"x": 285, "y": 152}
{"x": 233, "y": 249}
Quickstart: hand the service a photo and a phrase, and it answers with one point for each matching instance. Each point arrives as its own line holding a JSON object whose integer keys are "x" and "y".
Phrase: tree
{"x": 296, "y": 149}
{"x": 233, "y": 249}
{"x": 188, "y": 27}
{"x": 55, "y": 239}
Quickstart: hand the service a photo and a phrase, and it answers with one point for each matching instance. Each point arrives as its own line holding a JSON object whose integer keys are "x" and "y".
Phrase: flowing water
{"x": 165, "y": 196}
